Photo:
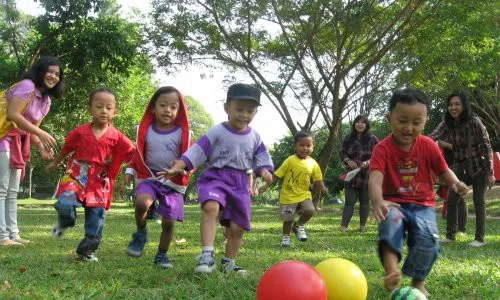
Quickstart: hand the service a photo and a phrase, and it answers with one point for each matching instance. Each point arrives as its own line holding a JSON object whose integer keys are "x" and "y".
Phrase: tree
{"x": 310, "y": 56}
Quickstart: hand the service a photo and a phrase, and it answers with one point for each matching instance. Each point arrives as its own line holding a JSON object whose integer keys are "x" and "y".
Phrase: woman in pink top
{"x": 28, "y": 103}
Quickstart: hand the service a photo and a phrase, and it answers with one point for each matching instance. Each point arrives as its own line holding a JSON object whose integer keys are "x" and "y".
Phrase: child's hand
{"x": 169, "y": 173}
{"x": 324, "y": 190}
{"x": 460, "y": 188}
{"x": 267, "y": 176}
{"x": 129, "y": 178}
{"x": 381, "y": 208}
{"x": 46, "y": 154}
{"x": 263, "y": 188}
{"x": 364, "y": 164}
{"x": 51, "y": 166}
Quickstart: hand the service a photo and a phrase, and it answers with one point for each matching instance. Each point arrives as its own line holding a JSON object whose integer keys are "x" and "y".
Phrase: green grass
{"x": 46, "y": 269}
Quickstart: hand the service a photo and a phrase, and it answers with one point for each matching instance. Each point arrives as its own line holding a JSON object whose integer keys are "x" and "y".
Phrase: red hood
{"x": 182, "y": 120}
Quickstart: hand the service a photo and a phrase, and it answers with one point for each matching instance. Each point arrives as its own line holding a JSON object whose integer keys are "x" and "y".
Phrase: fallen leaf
{"x": 6, "y": 285}
{"x": 22, "y": 269}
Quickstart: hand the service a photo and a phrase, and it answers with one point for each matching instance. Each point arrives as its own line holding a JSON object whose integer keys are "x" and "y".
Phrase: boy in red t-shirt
{"x": 98, "y": 150}
{"x": 401, "y": 190}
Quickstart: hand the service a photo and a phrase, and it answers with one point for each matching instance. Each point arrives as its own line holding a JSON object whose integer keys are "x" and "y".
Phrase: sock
{"x": 161, "y": 251}
{"x": 207, "y": 249}
{"x": 225, "y": 259}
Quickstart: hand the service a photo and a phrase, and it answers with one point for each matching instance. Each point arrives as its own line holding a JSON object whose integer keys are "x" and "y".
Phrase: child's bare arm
{"x": 380, "y": 206}
{"x": 322, "y": 186}
{"x": 264, "y": 187}
{"x": 451, "y": 180}
{"x": 178, "y": 168}
{"x": 53, "y": 164}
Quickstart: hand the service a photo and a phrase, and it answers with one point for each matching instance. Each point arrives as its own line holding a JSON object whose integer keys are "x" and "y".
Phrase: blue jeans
{"x": 416, "y": 224}
{"x": 94, "y": 221}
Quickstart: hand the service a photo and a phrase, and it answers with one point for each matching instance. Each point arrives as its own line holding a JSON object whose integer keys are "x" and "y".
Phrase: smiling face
{"x": 455, "y": 107}
{"x": 165, "y": 110}
{"x": 407, "y": 121}
{"x": 240, "y": 112}
{"x": 304, "y": 147}
{"x": 51, "y": 77}
{"x": 360, "y": 126}
{"x": 102, "y": 108}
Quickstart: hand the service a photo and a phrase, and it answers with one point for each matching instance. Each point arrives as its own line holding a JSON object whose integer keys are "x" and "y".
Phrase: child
{"x": 230, "y": 148}
{"x": 298, "y": 170}
{"x": 162, "y": 136}
{"x": 401, "y": 189}
{"x": 98, "y": 152}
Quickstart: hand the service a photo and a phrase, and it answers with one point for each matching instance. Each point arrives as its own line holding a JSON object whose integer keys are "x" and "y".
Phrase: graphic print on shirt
{"x": 407, "y": 170}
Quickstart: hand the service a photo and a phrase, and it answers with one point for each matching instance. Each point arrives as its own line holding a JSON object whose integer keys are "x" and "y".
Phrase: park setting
{"x": 349, "y": 149}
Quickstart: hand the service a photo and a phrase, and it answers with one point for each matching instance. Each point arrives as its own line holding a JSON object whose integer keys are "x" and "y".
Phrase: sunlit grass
{"x": 46, "y": 268}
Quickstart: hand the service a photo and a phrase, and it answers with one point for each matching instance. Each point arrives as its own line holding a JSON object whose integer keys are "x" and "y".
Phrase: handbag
{"x": 6, "y": 124}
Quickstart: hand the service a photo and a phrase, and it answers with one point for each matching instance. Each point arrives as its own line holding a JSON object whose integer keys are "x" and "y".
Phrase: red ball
{"x": 291, "y": 280}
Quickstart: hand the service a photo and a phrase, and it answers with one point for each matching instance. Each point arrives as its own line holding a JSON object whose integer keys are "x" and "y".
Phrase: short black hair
{"x": 302, "y": 134}
{"x": 466, "y": 112}
{"x": 160, "y": 91}
{"x": 408, "y": 96}
{"x": 101, "y": 90}
{"x": 37, "y": 72}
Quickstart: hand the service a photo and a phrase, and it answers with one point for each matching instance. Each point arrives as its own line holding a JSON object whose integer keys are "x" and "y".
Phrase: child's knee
{"x": 143, "y": 202}
{"x": 210, "y": 208}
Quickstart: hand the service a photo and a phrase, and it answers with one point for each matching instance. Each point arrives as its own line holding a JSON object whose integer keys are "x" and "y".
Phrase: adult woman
{"x": 473, "y": 161}
{"x": 28, "y": 103}
{"x": 356, "y": 152}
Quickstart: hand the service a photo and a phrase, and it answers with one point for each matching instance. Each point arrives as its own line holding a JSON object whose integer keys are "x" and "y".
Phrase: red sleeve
{"x": 126, "y": 147}
{"x": 378, "y": 159}
{"x": 437, "y": 161}
{"x": 72, "y": 141}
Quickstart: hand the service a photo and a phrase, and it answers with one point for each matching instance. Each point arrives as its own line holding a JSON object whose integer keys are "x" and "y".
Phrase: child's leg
{"x": 287, "y": 227}
{"x": 391, "y": 237}
{"x": 94, "y": 225}
{"x": 142, "y": 204}
{"x": 208, "y": 223}
{"x": 390, "y": 260}
{"x": 167, "y": 233}
{"x": 234, "y": 238}
{"x": 306, "y": 211}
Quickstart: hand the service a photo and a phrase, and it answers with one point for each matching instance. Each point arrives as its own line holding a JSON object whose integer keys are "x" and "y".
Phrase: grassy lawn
{"x": 46, "y": 269}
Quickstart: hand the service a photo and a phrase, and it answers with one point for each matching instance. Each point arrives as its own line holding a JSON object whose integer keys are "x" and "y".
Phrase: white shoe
{"x": 477, "y": 244}
{"x": 300, "y": 232}
{"x": 285, "y": 241}
{"x": 446, "y": 241}
{"x": 206, "y": 262}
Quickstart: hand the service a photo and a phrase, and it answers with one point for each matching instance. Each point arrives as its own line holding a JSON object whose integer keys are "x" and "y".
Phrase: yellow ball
{"x": 344, "y": 280}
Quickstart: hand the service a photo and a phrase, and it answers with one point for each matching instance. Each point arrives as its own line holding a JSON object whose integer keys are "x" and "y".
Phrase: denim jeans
{"x": 94, "y": 221}
{"x": 416, "y": 224}
{"x": 9, "y": 186}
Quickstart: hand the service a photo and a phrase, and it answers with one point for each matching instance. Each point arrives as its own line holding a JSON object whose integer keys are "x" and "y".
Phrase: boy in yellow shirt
{"x": 299, "y": 171}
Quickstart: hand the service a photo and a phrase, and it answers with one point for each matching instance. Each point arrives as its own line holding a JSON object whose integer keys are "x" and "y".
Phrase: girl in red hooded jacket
{"x": 162, "y": 137}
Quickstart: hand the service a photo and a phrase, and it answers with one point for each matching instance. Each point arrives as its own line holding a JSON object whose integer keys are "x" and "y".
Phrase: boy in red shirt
{"x": 98, "y": 152}
{"x": 401, "y": 190}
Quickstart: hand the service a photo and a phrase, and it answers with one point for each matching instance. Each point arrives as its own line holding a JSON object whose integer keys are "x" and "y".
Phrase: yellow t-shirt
{"x": 298, "y": 175}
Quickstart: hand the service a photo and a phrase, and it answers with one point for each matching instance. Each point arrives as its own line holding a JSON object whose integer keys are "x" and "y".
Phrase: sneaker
{"x": 362, "y": 229}
{"x": 285, "y": 241}
{"x": 9, "y": 243}
{"x": 461, "y": 233}
{"x": 206, "y": 262}
{"x": 87, "y": 258}
{"x": 229, "y": 265}
{"x": 162, "y": 261}
{"x": 136, "y": 246}
{"x": 58, "y": 231}
{"x": 344, "y": 228}
{"x": 447, "y": 241}
{"x": 477, "y": 244}
{"x": 300, "y": 232}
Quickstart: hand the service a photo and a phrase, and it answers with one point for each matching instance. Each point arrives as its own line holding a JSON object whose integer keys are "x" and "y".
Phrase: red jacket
{"x": 182, "y": 120}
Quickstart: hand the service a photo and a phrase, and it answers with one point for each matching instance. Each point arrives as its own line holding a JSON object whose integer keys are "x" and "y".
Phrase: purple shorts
{"x": 170, "y": 203}
{"x": 230, "y": 188}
